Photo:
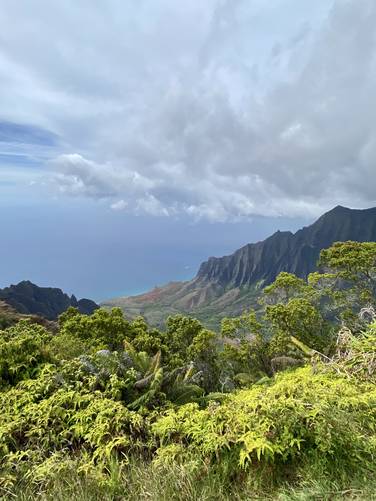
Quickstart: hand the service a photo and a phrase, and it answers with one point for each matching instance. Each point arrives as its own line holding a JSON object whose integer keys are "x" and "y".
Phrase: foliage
{"x": 286, "y": 286}
{"x": 23, "y": 348}
{"x": 348, "y": 279}
{"x": 244, "y": 358}
{"x": 109, "y": 405}
{"x": 355, "y": 261}
{"x": 180, "y": 333}
{"x": 242, "y": 327}
{"x": 102, "y": 329}
{"x": 330, "y": 416}
{"x": 299, "y": 318}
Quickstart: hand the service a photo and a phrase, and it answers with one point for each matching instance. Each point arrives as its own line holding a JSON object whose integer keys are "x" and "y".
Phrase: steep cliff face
{"x": 228, "y": 285}
{"x": 28, "y": 298}
{"x": 284, "y": 251}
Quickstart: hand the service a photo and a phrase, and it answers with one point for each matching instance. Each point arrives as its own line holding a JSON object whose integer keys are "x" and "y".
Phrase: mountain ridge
{"x": 48, "y": 302}
{"x": 229, "y": 284}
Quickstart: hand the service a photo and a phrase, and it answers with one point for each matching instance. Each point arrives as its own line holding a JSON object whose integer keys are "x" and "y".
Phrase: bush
{"x": 302, "y": 414}
{"x": 23, "y": 349}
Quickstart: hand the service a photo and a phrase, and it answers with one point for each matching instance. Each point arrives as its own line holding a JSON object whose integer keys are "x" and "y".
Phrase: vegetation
{"x": 281, "y": 404}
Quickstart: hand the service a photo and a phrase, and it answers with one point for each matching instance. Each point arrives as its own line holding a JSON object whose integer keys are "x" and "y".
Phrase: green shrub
{"x": 23, "y": 349}
{"x": 302, "y": 414}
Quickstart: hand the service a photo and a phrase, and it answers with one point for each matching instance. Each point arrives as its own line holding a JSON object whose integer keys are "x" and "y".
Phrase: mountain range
{"x": 48, "y": 302}
{"x": 228, "y": 285}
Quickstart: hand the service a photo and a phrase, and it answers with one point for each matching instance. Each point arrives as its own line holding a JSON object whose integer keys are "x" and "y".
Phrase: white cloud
{"x": 150, "y": 205}
{"x": 79, "y": 176}
{"x": 119, "y": 205}
{"x": 218, "y": 109}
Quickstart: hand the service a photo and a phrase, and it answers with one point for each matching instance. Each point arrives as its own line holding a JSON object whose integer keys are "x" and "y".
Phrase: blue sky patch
{"x": 26, "y": 134}
{"x": 23, "y": 160}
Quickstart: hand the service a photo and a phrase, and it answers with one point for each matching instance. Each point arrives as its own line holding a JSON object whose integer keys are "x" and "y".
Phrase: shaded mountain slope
{"x": 9, "y": 316}
{"x": 228, "y": 285}
{"x": 27, "y": 298}
{"x": 285, "y": 251}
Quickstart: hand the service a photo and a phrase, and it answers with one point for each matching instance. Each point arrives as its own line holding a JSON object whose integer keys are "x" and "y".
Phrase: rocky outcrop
{"x": 27, "y": 298}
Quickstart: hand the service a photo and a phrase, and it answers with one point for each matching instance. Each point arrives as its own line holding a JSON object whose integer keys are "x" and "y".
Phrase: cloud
{"x": 119, "y": 205}
{"x": 150, "y": 205}
{"x": 79, "y": 176}
{"x": 220, "y": 110}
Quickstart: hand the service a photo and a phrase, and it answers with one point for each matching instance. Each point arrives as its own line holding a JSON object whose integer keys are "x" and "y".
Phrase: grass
{"x": 141, "y": 481}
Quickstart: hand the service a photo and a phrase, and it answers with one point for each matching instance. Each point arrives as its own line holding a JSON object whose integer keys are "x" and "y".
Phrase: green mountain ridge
{"x": 231, "y": 284}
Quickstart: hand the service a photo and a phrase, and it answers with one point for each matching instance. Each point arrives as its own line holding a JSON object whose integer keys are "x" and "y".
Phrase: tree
{"x": 144, "y": 338}
{"x": 246, "y": 326}
{"x": 352, "y": 265}
{"x": 298, "y": 318}
{"x": 244, "y": 356}
{"x": 102, "y": 329}
{"x": 179, "y": 335}
{"x": 203, "y": 353}
{"x": 285, "y": 287}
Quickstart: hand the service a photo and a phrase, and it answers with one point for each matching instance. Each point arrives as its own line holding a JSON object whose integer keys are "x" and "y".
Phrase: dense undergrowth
{"x": 280, "y": 405}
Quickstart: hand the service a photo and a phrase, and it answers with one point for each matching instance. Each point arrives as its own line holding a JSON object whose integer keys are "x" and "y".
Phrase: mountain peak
{"x": 284, "y": 251}
{"x": 48, "y": 302}
{"x": 341, "y": 208}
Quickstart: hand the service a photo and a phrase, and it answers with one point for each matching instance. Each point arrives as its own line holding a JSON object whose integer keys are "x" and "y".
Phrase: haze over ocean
{"x": 60, "y": 247}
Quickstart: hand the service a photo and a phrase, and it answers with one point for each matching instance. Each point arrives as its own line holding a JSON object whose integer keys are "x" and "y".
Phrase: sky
{"x": 139, "y": 137}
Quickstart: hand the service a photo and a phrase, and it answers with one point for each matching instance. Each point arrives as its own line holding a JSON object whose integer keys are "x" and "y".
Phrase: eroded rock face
{"x": 284, "y": 251}
{"x": 48, "y": 302}
{"x": 229, "y": 285}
